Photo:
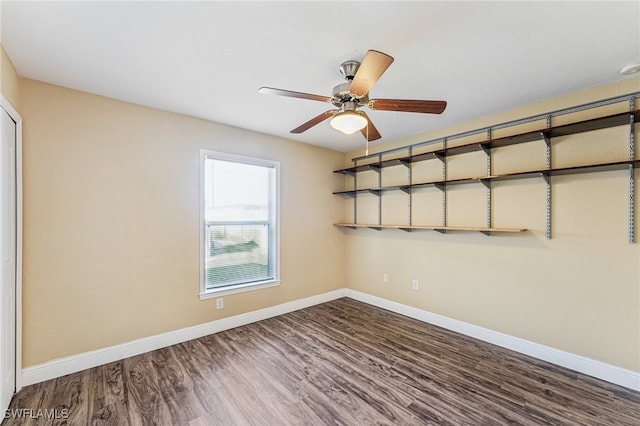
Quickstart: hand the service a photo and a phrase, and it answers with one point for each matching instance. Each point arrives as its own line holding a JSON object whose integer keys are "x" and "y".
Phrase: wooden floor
{"x": 342, "y": 362}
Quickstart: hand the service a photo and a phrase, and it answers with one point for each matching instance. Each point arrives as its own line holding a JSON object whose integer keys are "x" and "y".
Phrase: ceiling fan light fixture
{"x": 348, "y": 122}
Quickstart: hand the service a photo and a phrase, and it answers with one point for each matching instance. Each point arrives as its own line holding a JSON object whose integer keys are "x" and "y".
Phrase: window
{"x": 239, "y": 226}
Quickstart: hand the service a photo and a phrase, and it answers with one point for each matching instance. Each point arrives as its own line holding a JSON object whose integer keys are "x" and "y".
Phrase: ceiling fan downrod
{"x": 348, "y": 69}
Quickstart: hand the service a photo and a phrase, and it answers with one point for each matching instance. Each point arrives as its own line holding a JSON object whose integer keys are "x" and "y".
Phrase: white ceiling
{"x": 208, "y": 59}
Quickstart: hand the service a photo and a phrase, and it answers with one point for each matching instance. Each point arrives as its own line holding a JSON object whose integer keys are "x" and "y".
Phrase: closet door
{"x": 8, "y": 233}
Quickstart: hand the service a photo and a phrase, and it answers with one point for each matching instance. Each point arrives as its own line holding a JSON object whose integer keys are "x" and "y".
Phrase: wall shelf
{"x": 377, "y": 163}
{"x": 536, "y": 135}
{"x": 441, "y": 229}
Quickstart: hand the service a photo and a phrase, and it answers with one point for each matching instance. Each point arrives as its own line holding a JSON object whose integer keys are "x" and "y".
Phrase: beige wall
{"x": 9, "y": 80}
{"x": 579, "y": 292}
{"x": 111, "y": 231}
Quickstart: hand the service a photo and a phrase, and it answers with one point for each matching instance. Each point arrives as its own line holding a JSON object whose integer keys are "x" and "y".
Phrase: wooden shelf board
{"x": 430, "y": 228}
{"x": 375, "y": 191}
{"x": 613, "y": 120}
{"x": 605, "y": 167}
{"x": 588, "y": 168}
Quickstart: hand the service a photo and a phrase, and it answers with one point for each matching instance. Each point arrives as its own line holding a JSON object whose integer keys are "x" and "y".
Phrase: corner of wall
{"x": 9, "y": 80}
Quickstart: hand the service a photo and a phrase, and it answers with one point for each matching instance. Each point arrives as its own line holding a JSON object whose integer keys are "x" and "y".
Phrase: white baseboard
{"x": 610, "y": 373}
{"x": 71, "y": 364}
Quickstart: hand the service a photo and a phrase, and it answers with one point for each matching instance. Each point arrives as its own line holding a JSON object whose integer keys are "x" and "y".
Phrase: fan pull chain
{"x": 366, "y": 142}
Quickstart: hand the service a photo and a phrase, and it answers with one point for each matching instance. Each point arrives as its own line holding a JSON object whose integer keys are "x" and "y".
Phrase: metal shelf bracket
{"x": 355, "y": 193}
{"x": 486, "y": 182}
{"x": 443, "y": 186}
{"x": 378, "y": 169}
{"x": 632, "y": 155}
{"x": 547, "y": 178}
{"x": 405, "y": 163}
{"x": 409, "y": 191}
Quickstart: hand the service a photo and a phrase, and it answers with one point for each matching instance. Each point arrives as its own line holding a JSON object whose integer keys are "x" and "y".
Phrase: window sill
{"x": 239, "y": 288}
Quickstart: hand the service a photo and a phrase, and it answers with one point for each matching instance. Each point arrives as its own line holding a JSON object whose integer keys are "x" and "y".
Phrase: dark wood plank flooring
{"x": 342, "y": 362}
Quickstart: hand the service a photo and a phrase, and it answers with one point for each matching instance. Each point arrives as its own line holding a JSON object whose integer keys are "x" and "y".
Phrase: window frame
{"x": 274, "y": 205}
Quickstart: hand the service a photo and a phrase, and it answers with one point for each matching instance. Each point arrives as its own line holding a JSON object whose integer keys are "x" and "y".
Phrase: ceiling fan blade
{"x": 408, "y": 105}
{"x": 372, "y": 67}
{"x": 369, "y": 131}
{"x": 315, "y": 120}
{"x": 292, "y": 94}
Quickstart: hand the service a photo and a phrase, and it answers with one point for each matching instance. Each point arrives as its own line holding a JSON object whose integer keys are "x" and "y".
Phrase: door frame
{"x": 6, "y": 105}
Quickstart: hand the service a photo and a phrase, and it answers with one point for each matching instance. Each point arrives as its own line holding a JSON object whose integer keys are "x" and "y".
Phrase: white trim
{"x": 18, "y": 119}
{"x": 601, "y": 370}
{"x": 240, "y": 288}
{"x": 62, "y": 366}
{"x": 71, "y": 364}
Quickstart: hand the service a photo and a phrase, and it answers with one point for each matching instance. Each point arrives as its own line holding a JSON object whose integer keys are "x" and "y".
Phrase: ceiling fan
{"x": 348, "y": 97}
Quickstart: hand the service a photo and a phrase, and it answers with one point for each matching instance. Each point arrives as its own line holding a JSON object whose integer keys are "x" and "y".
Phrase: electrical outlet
{"x": 219, "y": 303}
{"x": 385, "y": 278}
{"x": 416, "y": 285}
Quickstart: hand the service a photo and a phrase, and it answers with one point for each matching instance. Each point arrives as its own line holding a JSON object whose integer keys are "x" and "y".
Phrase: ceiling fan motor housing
{"x": 341, "y": 93}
